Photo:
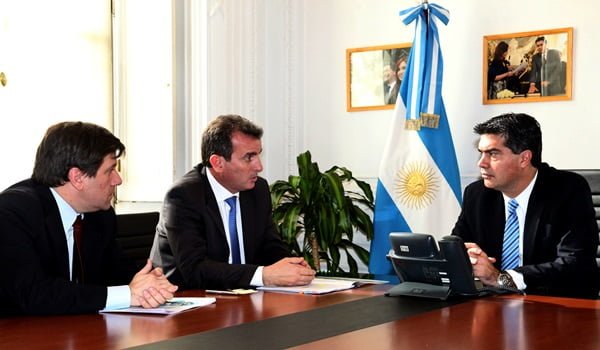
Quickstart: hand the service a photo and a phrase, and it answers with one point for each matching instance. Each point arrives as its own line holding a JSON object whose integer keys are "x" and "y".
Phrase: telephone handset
{"x": 460, "y": 270}
{"x": 459, "y": 267}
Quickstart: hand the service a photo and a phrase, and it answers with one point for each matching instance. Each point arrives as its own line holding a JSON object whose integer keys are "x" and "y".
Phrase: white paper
{"x": 318, "y": 286}
{"x": 520, "y": 68}
{"x": 173, "y": 306}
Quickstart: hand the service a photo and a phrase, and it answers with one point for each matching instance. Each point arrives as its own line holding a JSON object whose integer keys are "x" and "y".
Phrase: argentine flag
{"x": 418, "y": 189}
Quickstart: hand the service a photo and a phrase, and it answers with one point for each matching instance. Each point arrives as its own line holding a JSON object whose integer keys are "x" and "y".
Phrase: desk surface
{"x": 116, "y": 331}
{"x": 507, "y": 322}
{"x": 513, "y": 322}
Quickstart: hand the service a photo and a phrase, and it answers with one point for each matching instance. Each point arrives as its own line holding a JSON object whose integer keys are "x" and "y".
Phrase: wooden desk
{"x": 513, "y": 322}
{"x": 508, "y": 322}
{"x": 116, "y": 331}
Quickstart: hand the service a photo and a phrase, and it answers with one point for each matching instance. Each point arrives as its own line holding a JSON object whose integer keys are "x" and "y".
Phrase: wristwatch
{"x": 506, "y": 281}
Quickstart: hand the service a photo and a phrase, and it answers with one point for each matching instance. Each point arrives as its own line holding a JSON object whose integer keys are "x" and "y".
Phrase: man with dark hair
{"x": 216, "y": 228}
{"x": 48, "y": 267}
{"x": 525, "y": 224}
{"x": 546, "y": 70}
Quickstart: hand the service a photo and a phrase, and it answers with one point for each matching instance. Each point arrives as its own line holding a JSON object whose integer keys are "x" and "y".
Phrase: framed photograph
{"x": 528, "y": 67}
{"x": 373, "y": 76}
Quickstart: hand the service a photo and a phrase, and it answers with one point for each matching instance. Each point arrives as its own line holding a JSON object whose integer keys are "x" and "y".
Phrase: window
{"x": 63, "y": 68}
{"x": 144, "y": 107}
{"x": 57, "y": 67}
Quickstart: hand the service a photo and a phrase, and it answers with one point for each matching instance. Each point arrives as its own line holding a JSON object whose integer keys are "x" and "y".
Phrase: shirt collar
{"x": 67, "y": 213}
{"x": 523, "y": 197}
{"x": 221, "y": 193}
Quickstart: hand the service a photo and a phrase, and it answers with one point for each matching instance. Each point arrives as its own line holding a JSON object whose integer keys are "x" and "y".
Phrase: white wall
{"x": 356, "y": 139}
{"x": 282, "y": 64}
{"x": 255, "y": 69}
{"x": 58, "y": 68}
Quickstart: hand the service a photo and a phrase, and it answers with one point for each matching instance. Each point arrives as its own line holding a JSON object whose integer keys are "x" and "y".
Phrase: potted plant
{"x": 319, "y": 207}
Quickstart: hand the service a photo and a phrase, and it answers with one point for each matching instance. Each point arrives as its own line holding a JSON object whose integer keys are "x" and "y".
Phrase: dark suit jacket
{"x": 391, "y": 96}
{"x": 190, "y": 242}
{"x": 35, "y": 263}
{"x": 560, "y": 235}
{"x": 550, "y": 71}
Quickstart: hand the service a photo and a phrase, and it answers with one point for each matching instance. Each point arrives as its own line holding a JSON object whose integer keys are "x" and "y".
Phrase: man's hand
{"x": 483, "y": 265}
{"x": 150, "y": 287}
{"x": 288, "y": 272}
{"x": 532, "y": 89}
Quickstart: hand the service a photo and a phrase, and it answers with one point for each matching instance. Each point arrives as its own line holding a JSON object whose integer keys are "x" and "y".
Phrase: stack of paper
{"x": 173, "y": 306}
{"x": 321, "y": 285}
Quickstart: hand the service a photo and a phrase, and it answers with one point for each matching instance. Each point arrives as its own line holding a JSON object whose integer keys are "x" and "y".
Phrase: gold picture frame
{"x": 533, "y": 66}
{"x": 369, "y": 79}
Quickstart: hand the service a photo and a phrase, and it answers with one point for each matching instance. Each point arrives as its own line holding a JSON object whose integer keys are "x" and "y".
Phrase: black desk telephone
{"x": 425, "y": 271}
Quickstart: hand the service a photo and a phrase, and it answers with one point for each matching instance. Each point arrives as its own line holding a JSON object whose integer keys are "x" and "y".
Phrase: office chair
{"x": 135, "y": 234}
{"x": 593, "y": 178}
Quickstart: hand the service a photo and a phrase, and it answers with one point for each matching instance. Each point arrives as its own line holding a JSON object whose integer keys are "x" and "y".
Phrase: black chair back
{"x": 593, "y": 178}
{"x": 135, "y": 234}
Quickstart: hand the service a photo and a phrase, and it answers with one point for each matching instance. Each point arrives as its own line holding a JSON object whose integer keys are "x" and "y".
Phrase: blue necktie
{"x": 233, "y": 236}
{"x": 510, "y": 247}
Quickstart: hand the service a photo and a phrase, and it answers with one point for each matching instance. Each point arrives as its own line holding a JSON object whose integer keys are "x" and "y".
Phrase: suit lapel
{"x": 56, "y": 233}
{"x": 534, "y": 212}
{"x": 498, "y": 218}
{"x": 211, "y": 203}
{"x": 248, "y": 208}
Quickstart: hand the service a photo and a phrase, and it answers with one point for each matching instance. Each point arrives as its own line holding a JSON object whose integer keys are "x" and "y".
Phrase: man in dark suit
{"x": 555, "y": 220}
{"x": 46, "y": 269}
{"x": 391, "y": 85}
{"x": 196, "y": 243}
{"x": 546, "y": 74}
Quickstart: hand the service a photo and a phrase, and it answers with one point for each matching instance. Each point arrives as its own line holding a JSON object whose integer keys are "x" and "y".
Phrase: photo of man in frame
{"x": 527, "y": 66}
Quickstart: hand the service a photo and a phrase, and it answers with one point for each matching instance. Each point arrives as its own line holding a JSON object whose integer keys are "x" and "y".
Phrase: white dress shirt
{"x": 117, "y": 297}
{"x": 523, "y": 200}
{"x": 221, "y": 194}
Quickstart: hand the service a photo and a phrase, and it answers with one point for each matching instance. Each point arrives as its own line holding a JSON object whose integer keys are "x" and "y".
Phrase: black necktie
{"x": 77, "y": 250}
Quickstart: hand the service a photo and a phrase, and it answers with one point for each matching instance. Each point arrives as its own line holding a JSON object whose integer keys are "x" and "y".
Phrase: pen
{"x": 231, "y": 291}
{"x": 214, "y": 291}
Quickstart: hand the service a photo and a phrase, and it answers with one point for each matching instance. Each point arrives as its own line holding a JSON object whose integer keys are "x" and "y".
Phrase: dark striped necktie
{"x": 510, "y": 247}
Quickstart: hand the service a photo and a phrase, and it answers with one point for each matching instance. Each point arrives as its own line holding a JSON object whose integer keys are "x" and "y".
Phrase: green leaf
{"x": 336, "y": 188}
{"x": 317, "y": 205}
{"x": 361, "y": 253}
{"x": 290, "y": 222}
{"x": 366, "y": 188}
{"x": 351, "y": 262}
{"x": 335, "y": 258}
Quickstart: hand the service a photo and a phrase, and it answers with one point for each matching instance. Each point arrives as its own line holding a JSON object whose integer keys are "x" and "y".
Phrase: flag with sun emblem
{"x": 418, "y": 189}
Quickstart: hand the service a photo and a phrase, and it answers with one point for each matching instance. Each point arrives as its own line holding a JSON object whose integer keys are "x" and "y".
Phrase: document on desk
{"x": 173, "y": 306}
{"x": 323, "y": 285}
